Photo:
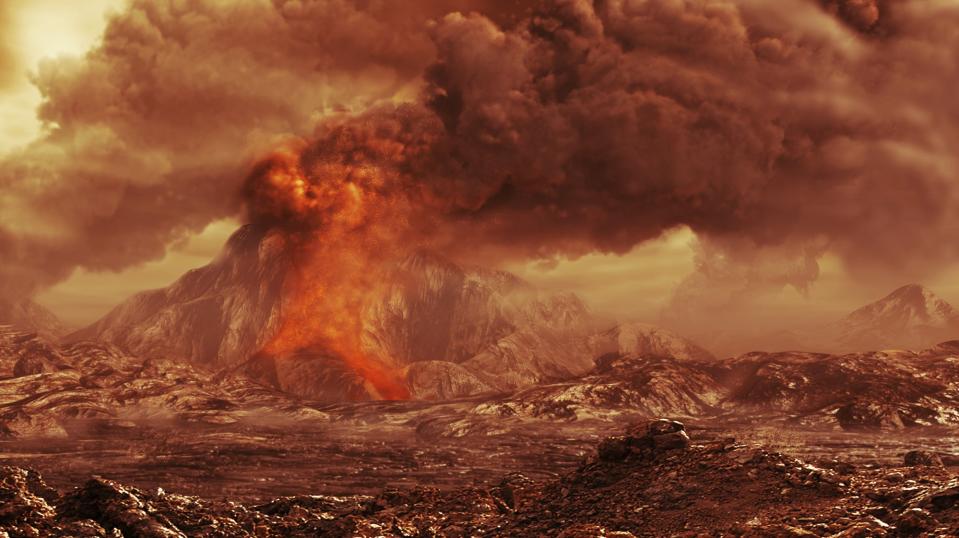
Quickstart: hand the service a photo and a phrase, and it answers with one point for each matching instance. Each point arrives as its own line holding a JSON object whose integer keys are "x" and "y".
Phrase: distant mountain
{"x": 29, "y": 316}
{"x": 910, "y": 317}
{"x": 639, "y": 339}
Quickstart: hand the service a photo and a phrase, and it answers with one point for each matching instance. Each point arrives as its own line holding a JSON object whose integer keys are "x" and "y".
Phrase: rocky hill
{"x": 47, "y": 390}
{"x": 30, "y": 316}
{"x": 911, "y": 317}
{"x": 851, "y": 392}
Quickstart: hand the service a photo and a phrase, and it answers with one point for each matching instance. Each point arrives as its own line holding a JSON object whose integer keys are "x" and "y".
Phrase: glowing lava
{"x": 342, "y": 217}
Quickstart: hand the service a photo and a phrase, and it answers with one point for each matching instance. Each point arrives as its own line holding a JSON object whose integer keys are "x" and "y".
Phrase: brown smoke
{"x": 860, "y": 14}
{"x": 775, "y": 132}
{"x": 594, "y": 127}
{"x": 793, "y": 127}
{"x": 151, "y": 131}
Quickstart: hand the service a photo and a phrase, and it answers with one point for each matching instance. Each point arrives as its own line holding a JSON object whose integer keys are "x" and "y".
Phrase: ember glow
{"x": 341, "y": 219}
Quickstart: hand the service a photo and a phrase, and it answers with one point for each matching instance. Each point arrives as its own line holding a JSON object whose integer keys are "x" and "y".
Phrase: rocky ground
{"x": 51, "y": 391}
{"x": 528, "y": 462}
{"x": 654, "y": 480}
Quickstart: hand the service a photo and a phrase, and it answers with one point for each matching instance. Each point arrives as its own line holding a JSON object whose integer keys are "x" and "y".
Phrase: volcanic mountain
{"x": 910, "y": 317}
{"x": 447, "y": 331}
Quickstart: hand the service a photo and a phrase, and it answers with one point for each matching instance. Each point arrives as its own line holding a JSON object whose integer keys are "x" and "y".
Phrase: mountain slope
{"x": 910, "y": 317}
{"x": 216, "y": 315}
{"x": 30, "y": 316}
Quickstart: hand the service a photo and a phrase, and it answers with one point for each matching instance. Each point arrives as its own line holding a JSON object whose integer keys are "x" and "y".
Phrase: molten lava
{"x": 342, "y": 217}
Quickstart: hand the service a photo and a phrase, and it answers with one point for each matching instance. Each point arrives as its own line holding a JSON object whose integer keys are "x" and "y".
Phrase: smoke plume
{"x": 775, "y": 132}
{"x": 595, "y": 126}
{"x": 151, "y": 132}
{"x": 501, "y": 131}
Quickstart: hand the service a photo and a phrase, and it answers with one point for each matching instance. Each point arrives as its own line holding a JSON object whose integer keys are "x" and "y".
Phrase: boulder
{"x": 916, "y": 458}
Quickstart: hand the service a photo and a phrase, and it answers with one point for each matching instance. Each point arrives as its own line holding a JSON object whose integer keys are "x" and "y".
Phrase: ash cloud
{"x": 150, "y": 133}
{"x": 790, "y": 127}
{"x": 598, "y": 125}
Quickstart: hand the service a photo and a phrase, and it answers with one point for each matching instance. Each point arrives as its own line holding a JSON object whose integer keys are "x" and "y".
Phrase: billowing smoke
{"x": 150, "y": 134}
{"x": 862, "y": 15}
{"x": 597, "y": 125}
{"x": 775, "y": 131}
{"x": 794, "y": 127}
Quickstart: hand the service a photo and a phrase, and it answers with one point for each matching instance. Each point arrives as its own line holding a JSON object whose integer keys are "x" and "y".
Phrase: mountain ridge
{"x": 31, "y": 316}
{"x": 448, "y": 331}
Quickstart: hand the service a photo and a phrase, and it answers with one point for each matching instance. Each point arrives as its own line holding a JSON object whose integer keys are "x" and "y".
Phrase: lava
{"x": 342, "y": 217}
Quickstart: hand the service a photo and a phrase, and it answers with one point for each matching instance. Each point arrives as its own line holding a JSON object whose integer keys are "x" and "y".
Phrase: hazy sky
{"x": 638, "y": 285}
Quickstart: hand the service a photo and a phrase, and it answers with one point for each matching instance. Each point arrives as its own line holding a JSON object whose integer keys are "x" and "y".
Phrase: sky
{"x": 120, "y": 152}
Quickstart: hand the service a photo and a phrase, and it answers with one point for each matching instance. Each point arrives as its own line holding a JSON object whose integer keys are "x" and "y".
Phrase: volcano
{"x": 447, "y": 331}
{"x": 911, "y": 317}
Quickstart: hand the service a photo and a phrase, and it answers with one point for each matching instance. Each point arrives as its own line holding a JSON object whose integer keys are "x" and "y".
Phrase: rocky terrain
{"x": 643, "y": 372}
{"x": 858, "y": 391}
{"x": 511, "y": 389}
{"x": 654, "y": 480}
{"x": 83, "y": 408}
{"x": 47, "y": 390}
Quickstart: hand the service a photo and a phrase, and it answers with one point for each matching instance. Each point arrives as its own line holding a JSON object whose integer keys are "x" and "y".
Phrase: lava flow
{"x": 342, "y": 217}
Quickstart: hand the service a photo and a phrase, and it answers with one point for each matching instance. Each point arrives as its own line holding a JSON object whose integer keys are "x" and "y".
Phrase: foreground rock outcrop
{"x": 48, "y": 389}
{"x": 654, "y": 480}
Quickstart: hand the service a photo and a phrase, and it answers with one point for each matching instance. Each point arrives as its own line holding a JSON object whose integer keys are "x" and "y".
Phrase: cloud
{"x": 794, "y": 127}
{"x": 151, "y": 132}
{"x": 9, "y": 66}
{"x": 598, "y": 126}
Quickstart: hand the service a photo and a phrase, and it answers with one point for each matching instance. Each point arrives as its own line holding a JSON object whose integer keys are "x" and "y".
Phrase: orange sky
{"x": 636, "y": 285}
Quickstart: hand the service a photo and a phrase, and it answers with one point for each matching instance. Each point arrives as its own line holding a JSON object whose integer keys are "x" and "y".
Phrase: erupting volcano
{"x": 343, "y": 220}
{"x": 398, "y": 266}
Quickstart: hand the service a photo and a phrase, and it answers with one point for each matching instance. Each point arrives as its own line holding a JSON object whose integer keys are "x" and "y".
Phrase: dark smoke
{"x": 151, "y": 131}
{"x": 595, "y": 126}
{"x": 794, "y": 127}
